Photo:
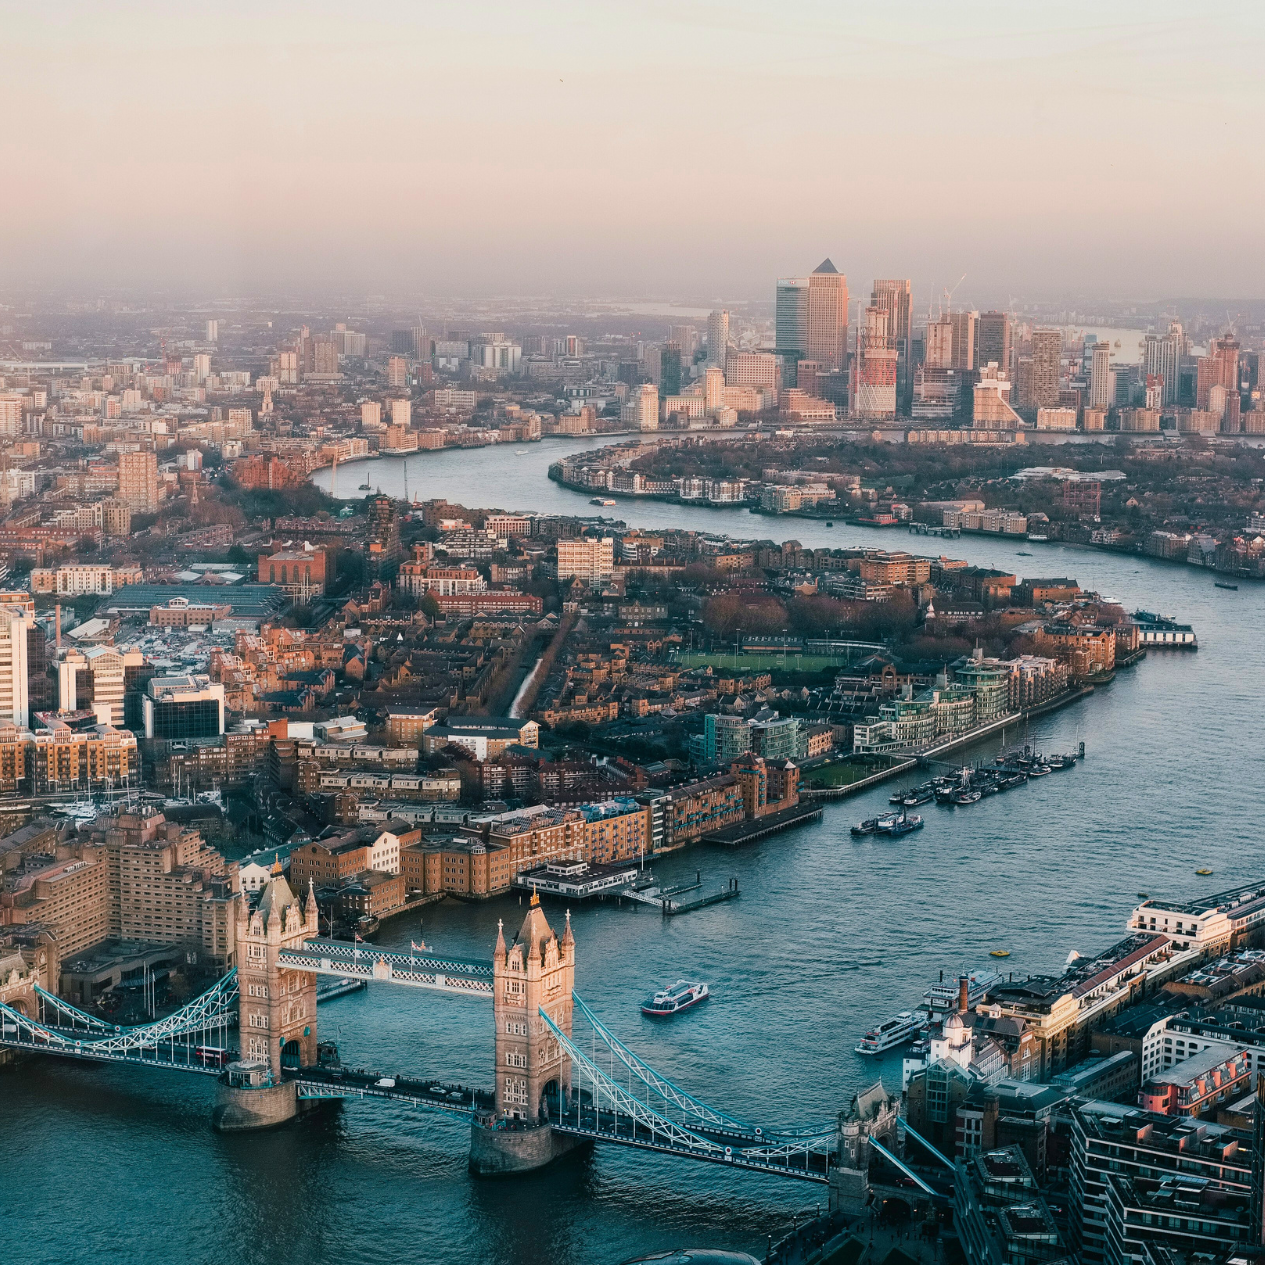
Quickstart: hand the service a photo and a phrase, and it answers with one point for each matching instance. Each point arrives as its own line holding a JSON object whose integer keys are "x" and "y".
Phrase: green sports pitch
{"x": 762, "y": 661}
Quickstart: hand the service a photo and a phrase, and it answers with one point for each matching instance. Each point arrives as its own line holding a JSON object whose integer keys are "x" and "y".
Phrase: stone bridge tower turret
{"x": 537, "y": 973}
{"x": 533, "y": 1074}
{"x": 277, "y": 1005}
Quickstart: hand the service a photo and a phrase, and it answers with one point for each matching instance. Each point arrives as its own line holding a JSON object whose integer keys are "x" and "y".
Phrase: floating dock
{"x": 669, "y": 899}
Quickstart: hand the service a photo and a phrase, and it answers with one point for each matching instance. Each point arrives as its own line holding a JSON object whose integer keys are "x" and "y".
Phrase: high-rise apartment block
{"x": 589, "y": 559}
{"x": 713, "y": 389}
{"x": 1047, "y": 352}
{"x": 384, "y": 535}
{"x": 397, "y": 373}
{"x": 1161, "y": 358}
{"x": 212, "y": 331}
{"x": 14, "y": 669}
{"x": 717, "y": 338}
{"x": 828, "y": 317}
{"x": 401, "y": 412}
{"x": 647, "y": 402}
{"x": 371, "y": 413}
{"x": 1100, "y": 383}
{"x": 138, "y": 481}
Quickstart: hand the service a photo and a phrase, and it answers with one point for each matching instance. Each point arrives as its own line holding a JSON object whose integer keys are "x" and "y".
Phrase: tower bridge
{"x": 562, "y": 1079}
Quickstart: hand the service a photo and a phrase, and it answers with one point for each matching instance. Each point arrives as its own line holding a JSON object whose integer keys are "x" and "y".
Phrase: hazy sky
{"x": 655, "y": 149}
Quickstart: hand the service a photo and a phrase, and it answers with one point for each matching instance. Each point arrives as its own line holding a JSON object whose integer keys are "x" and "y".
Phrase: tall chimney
{"x": 964, "y": 992}
{"x": 57, "y": 608}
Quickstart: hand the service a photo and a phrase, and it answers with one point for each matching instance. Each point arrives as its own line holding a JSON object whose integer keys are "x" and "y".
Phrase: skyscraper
{"x": 992, "y": 341}
{"x": 875, "y": 367}
{"x": 670, "y": 368}
{"x": 939, "y": 353}
{"x": 964, "y": 324}
{"x": 648, "y": 406}
{"x": 1219, "y": 368}
{"x": 717, "y": 338}
{"x": 1161, "y": 357}
{"x": 828, "y": 317}
{"x": 1100, "y": 384}
{"x": 212, "y": 331}
{"x": 1047, "y": 353}
{"x": 894, "y": 297}
{"x": 791, "y": 318}
{"x": 686, "y": 337}
{"x": 384, "y": 536}
{"x": 713, "y": 389}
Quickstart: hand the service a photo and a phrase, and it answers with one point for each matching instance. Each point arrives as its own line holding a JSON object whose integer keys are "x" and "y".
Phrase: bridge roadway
{"x": 357, "y": 961}
{"x": 740, "y": 1150}
{"x": 178, "y": 1059}
{"x": 348, "y": 1082}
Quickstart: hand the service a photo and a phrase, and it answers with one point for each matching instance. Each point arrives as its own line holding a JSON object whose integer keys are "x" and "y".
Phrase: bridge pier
{"x": 248, "y": 1098}
{"x": 503, "y": 1152}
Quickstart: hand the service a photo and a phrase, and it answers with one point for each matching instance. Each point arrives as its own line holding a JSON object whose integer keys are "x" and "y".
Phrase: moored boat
{"x": 944, "y": 995}
{"x": 892, "y": 1032}
{"x": 904, "y": 825}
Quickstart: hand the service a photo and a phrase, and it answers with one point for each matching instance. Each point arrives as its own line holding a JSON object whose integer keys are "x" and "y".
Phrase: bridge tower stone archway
{"x": 536, "y": 972}
{"x": 276, "y": 1010}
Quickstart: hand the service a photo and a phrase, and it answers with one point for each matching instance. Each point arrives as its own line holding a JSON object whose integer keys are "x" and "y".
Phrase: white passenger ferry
{"x": 945, "y": 995}
{"x": 892, "y": 1032}
{"x": 670, "y": 1001}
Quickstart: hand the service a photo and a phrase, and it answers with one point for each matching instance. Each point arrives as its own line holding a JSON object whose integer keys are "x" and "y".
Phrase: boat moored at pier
{"x": 892, "y": 1032}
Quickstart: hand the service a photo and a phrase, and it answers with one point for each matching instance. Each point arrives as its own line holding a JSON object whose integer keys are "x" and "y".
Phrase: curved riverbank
{"x": 831, "y": 934}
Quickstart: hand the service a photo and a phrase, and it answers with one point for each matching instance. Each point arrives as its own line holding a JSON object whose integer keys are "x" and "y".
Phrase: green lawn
{"x": 841, "y": 773}
{"x": 747, "y": 663}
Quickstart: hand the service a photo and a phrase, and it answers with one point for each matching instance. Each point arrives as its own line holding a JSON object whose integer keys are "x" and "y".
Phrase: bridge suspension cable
{"x": 686, "y": 1101}
{"x": 618, "y": 1114}
{"x": 213, "y": 1011}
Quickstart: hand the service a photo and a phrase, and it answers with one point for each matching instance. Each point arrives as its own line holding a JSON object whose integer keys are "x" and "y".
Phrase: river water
{"x": 830, "y": 935}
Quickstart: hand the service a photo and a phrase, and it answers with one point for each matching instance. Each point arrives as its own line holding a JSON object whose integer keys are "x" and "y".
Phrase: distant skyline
{"x": 659, "y": 150}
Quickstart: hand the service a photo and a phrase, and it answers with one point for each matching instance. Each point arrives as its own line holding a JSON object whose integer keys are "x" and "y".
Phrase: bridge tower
{"x": 278, "y": 1006}
{"x": 276, "y": 1009}
{"x": 533, "y": 1074}
{"x": 871, "y": 1114}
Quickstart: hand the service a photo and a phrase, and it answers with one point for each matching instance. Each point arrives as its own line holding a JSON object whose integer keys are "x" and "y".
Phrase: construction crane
{"x": 948, "y": 294}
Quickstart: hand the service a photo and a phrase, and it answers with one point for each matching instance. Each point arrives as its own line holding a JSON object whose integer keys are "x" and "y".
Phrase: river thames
{"x": 830, "y": 935}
